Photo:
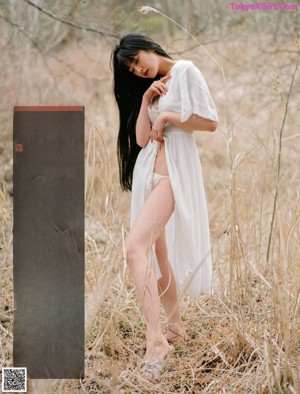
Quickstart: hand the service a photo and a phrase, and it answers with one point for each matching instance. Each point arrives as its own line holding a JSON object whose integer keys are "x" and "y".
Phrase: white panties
{"x": 154, "y": 179}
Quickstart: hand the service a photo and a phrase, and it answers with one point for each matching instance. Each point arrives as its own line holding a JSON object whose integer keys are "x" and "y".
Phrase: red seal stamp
{"x": 19, "y": 148}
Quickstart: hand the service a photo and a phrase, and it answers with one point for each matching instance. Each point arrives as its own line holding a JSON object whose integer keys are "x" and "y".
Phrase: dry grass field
{"x": 245, "y": 338}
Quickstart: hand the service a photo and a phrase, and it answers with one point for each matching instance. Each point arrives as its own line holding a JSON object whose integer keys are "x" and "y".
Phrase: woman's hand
{"x": 157, "y": 88}
{"x": 158, "y": 128}
{"x": 143, "y": 126}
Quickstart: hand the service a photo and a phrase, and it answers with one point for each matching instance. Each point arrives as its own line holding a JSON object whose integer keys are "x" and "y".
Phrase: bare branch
{"x": 35, "y": 45}
{"x": 10, "y": 22}
{"x": 71, "y": 23}
{"x": 42, "y": 53}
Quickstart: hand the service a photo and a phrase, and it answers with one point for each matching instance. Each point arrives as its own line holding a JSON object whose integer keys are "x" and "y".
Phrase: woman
{"x": 161, "y": 102}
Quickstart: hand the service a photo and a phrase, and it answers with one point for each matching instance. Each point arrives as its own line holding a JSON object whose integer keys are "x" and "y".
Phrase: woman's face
{"x": 145, "y": 64}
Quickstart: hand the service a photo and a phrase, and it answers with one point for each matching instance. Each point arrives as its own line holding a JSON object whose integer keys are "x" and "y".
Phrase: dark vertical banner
{"x": 48, "y": 241}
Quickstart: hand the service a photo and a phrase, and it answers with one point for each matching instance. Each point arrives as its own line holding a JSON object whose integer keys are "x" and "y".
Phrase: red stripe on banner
{"x": 45, "y": 108}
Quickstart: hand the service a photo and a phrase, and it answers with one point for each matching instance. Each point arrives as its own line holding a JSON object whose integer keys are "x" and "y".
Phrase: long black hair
{"x": 129, "y": 90}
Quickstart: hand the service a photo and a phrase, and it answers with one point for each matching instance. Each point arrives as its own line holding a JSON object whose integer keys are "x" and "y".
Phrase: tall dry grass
{"x": 245, "y": 338}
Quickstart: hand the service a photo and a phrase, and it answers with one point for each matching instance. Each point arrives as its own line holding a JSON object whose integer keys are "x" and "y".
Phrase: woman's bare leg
{"x": 167, "y": 291}
{"x": 147, "y": 227}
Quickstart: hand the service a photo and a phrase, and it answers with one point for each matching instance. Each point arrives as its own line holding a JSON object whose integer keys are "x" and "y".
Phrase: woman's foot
{"x": 157, "y": 348}
{"x": 156, "y": 357}
{"x": 176, "y": 333}
{"x": 155, "y": 365}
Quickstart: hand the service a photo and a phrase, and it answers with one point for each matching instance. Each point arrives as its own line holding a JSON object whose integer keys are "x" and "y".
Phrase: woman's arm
{"x": 143, "y": 125}
{"x": 194, "y": 123}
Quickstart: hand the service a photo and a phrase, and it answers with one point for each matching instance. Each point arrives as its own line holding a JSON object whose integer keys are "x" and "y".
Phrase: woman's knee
{"x": 134, "y": 252}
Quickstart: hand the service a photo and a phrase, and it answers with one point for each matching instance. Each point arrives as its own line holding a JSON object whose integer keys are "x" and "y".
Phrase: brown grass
{"x": 243, "y": 339}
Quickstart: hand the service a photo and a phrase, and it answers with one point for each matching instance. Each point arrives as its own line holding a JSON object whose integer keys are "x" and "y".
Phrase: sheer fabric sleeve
{"x": 194, "y": 94}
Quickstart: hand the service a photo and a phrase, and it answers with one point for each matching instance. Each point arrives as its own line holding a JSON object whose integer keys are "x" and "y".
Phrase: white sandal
{"x": 155, "y": 366}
